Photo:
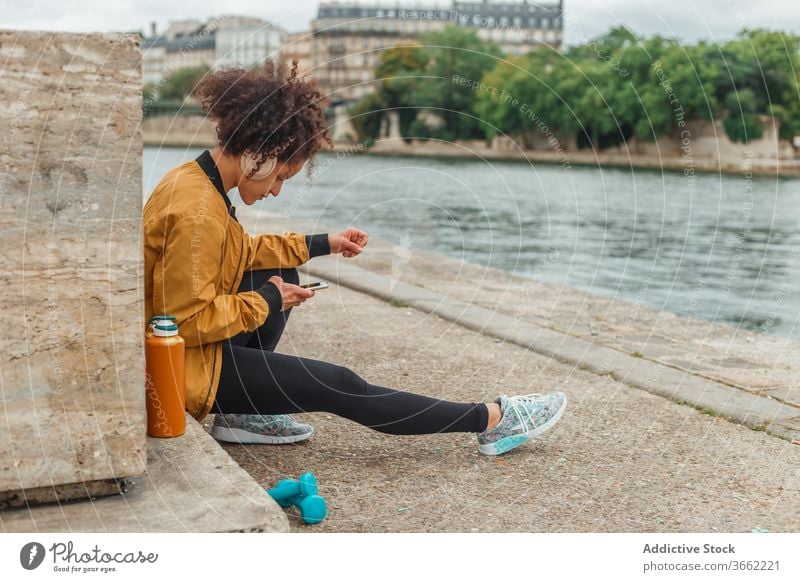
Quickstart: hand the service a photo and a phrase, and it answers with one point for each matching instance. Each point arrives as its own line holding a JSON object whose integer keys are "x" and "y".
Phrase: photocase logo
{"x": 31, "y": 555}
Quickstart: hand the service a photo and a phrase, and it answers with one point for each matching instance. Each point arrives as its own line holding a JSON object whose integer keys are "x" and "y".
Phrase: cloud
{"x": 129, "y": 15}
{"x": 689, "y": 20}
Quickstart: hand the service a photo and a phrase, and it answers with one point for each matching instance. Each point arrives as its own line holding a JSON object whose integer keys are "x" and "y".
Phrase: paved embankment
{"x": 747, "y": 377}
{"x": 621, "y": 459}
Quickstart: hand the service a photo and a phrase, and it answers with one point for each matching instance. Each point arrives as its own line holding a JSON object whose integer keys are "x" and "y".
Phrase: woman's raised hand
{"x": 292, "y": 295}
{"x": 349, "y": 242}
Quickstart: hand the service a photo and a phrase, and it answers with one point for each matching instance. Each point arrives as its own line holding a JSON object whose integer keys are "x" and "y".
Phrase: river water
{"x": 724, "y": 248}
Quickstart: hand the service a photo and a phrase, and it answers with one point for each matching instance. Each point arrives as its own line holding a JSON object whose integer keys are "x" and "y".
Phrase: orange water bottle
{"x": 166, "y": 392}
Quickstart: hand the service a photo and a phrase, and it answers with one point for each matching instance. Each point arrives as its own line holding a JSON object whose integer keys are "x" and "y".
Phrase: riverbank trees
{"x": 611, "y": 89}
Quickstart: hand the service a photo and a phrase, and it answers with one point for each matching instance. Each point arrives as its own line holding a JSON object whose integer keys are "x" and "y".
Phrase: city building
{"x": 185, "y": 43}
{"x": 298, "y": 46}
{"x": 221, "y": 42}
{"x": 347, "y": 37}
{"x": 247, "y": 43}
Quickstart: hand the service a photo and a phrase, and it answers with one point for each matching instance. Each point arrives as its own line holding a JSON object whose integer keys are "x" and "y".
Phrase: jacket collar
{"x": 206, "y": 163}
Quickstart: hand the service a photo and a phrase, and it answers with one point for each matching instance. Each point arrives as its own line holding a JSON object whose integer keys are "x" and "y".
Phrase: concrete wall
{"x": 707, "y": 140}
{"x": 71, "y": 358}
{"x": 179, "y": 130}
{"x": 711, "y": 150}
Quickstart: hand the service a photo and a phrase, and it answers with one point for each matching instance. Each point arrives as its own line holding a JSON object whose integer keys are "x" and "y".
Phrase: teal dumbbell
{"x": 312, "y": 508}
{"x": 287, "y": 490}
{"x": 301, "y": 493}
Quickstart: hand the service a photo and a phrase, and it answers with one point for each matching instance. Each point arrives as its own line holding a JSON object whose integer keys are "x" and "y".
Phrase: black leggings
{"x": 256, "y": 380}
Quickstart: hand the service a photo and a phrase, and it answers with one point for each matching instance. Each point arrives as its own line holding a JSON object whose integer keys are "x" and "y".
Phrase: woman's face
{"x": 252, "y": 190}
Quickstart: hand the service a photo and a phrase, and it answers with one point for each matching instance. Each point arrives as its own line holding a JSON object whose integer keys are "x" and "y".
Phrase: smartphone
{"x": 316, "y": 285}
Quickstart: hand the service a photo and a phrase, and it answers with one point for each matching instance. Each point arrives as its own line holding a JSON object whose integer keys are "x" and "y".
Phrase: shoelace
{"x": 525, "y": 415}
{"x": 276, "y": 419}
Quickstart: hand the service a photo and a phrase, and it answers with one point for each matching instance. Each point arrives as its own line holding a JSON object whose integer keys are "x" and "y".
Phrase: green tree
{"x": 422, "y": 77}
{"x": 497, "y": 108}
{"x": 455, "y": 53}
{"x": 768, "y": 64}
{"x": 605, "y": 91}
{"x": 677, "y": 87}
{"x": 742, "y": 123}
{"x": 401, "y": 70}
{"x": 179, "y": 84}
{"x": 366, "y": 116}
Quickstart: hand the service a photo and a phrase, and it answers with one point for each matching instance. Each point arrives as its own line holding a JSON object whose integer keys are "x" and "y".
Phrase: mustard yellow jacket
{"x": 195, "y": 256}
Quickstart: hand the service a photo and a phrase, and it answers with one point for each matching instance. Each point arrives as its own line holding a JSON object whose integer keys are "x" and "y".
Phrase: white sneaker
{"x": 523, "y": 417}
{"x": 276, "y": 429}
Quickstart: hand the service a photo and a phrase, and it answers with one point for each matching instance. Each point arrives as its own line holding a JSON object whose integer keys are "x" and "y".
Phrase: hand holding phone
{"x": 316, "y": 285}
{"x": 293, "y": 295}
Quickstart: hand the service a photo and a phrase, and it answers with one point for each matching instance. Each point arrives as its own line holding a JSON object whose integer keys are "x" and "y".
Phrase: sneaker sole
{"x": 243, "y": 437}
{"x": 510, "y": 442}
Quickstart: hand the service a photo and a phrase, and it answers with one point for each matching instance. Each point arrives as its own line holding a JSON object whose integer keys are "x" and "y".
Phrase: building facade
{"x": 185, "y": 43}
{"x": 298, "y": 46}
{"x": 221, "y": 42}
{"x": 245, "y": 44}
{"x": 347, "y": 38}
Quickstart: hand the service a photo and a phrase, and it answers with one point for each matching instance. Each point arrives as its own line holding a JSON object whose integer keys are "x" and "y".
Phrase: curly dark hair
{"x": 267, "y": 111}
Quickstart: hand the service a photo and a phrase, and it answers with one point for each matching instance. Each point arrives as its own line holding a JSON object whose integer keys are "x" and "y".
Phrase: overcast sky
{"x": 688, "y": 20}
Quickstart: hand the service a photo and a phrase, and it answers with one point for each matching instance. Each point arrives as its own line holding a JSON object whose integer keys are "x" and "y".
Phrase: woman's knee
{"x": 351, "y": 382}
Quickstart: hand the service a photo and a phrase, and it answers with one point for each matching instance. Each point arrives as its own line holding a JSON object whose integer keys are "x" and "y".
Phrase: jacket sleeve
{"x": 272, "y": 251}
{"x": 185, "y": 285}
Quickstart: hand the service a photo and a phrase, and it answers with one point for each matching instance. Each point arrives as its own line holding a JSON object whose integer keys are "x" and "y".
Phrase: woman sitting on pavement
{"x": 232, "y": 293}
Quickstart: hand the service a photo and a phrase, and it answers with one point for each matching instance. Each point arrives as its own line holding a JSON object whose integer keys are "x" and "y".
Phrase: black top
{"x": 206, "y": 162}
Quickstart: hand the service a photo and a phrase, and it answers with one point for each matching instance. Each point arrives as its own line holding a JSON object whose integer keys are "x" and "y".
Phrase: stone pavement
{"x": 714, "y": 367}
{"x": 621, "y": 459}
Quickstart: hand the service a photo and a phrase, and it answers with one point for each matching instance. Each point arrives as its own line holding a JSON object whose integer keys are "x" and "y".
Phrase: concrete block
{"x": 191, "y": 485}
{"x": 71, "y": 355}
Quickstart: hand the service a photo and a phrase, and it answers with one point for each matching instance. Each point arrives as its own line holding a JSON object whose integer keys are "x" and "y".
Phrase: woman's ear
{"x": 248, "y": 163}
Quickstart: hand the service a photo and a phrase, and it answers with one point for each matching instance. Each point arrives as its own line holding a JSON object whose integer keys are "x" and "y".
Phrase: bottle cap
{"x": 164, "y": 329}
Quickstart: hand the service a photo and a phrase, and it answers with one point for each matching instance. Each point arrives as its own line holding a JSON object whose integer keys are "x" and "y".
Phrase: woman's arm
{"x": 184, "y": 285}
{"x": 273, "y": 251}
